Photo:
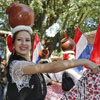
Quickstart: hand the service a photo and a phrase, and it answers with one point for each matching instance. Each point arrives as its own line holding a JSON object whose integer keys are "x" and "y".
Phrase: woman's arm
{"x": 55, "y": 83}
{"x": 59, "y": 66}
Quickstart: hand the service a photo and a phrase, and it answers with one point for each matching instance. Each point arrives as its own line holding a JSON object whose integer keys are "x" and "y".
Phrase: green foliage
{"x": 37, "y": 6}
{"x": 72, "y": 13}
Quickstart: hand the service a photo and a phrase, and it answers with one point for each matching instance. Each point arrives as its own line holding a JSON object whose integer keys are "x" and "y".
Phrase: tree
{"x": 71, "y": 13}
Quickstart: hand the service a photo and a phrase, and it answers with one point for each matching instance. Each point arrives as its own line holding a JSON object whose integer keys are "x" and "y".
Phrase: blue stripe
{"x": 38, "y": 59}
{"x": 85, "y": 55}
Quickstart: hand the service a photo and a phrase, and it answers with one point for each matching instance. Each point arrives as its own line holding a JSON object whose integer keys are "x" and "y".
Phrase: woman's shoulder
{"x": 20, "y": 62}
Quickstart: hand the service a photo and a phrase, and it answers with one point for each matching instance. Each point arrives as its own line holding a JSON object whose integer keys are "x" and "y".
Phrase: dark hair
{"x": 43, "y": 62}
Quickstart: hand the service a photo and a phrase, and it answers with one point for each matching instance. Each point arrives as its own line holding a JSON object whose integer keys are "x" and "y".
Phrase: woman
{"x": 24, "y": 80}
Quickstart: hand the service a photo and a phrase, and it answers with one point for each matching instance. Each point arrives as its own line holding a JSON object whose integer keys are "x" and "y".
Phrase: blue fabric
{"x": 38, "y": 59}
{"x": 85, "y": 55}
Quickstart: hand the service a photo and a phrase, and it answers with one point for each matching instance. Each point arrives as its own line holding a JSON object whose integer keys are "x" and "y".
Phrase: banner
{"x": 82, "y": 50}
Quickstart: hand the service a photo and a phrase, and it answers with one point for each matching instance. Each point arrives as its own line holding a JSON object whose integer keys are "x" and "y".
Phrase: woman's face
{"x": 22, "y": 44}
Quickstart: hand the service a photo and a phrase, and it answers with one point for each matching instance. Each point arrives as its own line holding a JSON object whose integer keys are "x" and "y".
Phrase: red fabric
{"x": 66, "y": 35}
{"x": 95, "y": 54}
{"x": 65, "y": 56}
{"x": 36, "y": 41}
{"x": 54, "y": 92}
{"x": 78, "y": 34}
{"x": 9, "y": 43}
{"x": 87, "y": 88}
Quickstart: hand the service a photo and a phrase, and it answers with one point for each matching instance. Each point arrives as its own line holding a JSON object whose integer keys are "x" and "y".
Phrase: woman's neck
{"x": 27, "y": 57}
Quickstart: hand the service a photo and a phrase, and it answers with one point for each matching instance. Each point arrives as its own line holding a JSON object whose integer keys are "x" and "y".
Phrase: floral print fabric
{"x": 87, "y": 88}
{"x": 54, "y": 92}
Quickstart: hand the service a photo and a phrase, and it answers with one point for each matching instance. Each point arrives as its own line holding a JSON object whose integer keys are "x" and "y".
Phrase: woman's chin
{"x": 23, "y": 53}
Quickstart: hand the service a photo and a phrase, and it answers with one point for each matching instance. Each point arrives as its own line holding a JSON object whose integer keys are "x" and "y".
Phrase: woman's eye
{"x": 28, "y": 40}
{"x": 18, "y": 39}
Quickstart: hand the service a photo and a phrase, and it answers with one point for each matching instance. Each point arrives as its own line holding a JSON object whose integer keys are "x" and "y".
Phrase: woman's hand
{"x": 55, "y": 83}
{"x": 95, "y": 68}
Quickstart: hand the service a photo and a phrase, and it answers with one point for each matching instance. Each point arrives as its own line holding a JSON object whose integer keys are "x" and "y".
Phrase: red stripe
{"x": 78, "y": 34}
{"x": 36, "y": 41}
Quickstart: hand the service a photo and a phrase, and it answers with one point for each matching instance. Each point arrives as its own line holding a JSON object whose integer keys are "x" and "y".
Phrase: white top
{"x": 17, "y": 75}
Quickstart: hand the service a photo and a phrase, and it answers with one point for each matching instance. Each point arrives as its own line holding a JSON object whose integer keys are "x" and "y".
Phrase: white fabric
{"x": 22, "y": 27}
{"x": 71, "y": 56}
{"x": 54, "y": 76}
{"x": 68, "y": 52}
{"x": 17, "y": 75}
{"x": 58, "y": 76}
{"x": 74, "y": 75}
{"x": 81, "y": 45}
{"x": 47, "y": 79}
{"x": 38, "y": 48}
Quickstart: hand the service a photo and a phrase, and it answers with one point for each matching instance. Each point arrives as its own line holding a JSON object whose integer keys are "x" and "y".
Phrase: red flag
{"x": 95, "y": 54}
{"x": 81, "y": 45}
{"x": 77, "y": 37}
{"x": 78, "y": 34}
{"x": 36, "y": 41}
{"x": 37, "y": 47}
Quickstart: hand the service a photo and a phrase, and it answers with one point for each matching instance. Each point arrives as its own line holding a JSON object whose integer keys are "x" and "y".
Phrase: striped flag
{"x": 82, "y": 49}
{"x": 81, "y": 43}
{"x": 95, "y": 54}
{"x": 37, "y": 47}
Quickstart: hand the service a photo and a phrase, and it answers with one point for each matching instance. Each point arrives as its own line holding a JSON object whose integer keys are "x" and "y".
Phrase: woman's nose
{"x": 23, "y": 41}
